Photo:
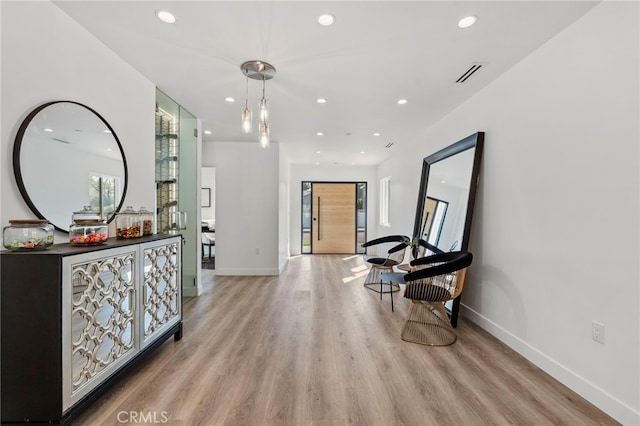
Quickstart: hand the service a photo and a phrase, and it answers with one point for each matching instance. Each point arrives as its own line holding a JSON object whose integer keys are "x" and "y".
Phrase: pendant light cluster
{"x": 257, "y": 70}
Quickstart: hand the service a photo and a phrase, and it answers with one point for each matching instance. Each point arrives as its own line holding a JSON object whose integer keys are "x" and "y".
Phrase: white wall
{"x": 299, "y": 173}
{"x": 560, "y": 161}
{"x": 247, "y": 205}
{"x": 284, "y": 215}
{"x": 404, "y": 170}
{"x": 47, "y": 56}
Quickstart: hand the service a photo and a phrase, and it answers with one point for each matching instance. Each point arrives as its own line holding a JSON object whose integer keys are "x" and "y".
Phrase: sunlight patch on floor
{"x": 355, "y": 276}
{"x": 360, "y": 268}
{"x": 352, "y": 257}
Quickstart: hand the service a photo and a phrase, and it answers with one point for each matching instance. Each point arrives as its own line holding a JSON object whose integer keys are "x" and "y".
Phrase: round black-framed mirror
{"x": 66, "y": 156}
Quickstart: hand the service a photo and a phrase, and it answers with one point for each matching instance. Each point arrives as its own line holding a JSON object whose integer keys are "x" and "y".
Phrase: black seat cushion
{"x": 426, "y": 292}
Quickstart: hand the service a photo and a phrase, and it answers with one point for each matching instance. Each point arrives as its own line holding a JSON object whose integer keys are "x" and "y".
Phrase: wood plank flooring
{"x": 314, "y": 347}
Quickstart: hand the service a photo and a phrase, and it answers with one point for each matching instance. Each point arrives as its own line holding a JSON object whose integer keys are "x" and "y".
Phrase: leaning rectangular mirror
{"x": 446, "y": 198}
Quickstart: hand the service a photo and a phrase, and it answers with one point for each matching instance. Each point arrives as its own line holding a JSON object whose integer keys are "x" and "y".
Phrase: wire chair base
{"x": 374, "y": 283}
{"x": 428, "y": 324}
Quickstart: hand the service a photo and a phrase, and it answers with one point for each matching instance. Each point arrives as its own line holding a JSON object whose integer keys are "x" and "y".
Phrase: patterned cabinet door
{"x": 99, "y": 316}
{"x": 161, "y": 289}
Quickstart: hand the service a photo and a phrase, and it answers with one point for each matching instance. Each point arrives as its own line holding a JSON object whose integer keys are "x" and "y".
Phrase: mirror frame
{"x": 17, "y": 171}
{"x": 476, "y": 141}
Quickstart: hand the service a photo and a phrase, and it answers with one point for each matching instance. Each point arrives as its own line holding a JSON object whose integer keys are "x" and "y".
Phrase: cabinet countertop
{"x": 68, "y": 249}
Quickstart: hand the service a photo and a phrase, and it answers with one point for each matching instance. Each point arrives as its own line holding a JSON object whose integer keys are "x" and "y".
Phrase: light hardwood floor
{"x": 314, "y": 347}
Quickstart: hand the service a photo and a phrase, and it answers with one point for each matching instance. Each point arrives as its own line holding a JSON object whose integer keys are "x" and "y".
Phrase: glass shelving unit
{"x": 167, "y": 171}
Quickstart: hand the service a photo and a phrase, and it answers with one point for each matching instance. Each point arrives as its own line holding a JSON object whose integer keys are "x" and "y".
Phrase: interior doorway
{"x": 208, "y": 215}
{"x": 333, "y": 217}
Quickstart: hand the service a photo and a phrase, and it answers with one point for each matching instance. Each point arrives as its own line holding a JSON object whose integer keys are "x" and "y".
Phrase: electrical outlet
{"x": 597, "y": 331}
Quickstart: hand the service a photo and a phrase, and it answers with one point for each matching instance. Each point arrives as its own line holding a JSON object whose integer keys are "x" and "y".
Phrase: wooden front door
{"x": 333, "y": 212}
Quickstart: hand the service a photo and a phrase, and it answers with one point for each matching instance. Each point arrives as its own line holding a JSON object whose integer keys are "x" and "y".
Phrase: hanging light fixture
{"x": 264, "y": 115}
{"x": 258, "y": 70}
{"x": 264, "y": 112}
{"x": 264, "y": 135}
{"x": 246, "y": 113}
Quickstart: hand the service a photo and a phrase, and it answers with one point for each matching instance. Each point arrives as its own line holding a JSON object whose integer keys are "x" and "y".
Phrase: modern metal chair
{"x": 434, "y": 280}
{"x": 394, "y": 246}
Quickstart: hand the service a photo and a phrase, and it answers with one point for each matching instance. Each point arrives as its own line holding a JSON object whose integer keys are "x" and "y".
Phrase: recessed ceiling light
{"x": 207, "y": 132}
{"x": 402, "y": 101}
{"x": 317, "y": 164}
{"x": 326, "y": 19}
{"x": 106, "y": 131}
{"x": 317, "y": 152}
{"x": 444, "y": 181}
{"x": 320, "y": 134}
{"x": 321, "y": 101}
{"x": 48, "y": 130}
{"x": 361, "y": 152}
{"x": 467, "y": 21}
{"x": 165, "y": 16}
{"x": 229, "y": 99}
{"x": 109, "y": 149}
{"x": 376, "y": 134}
{"x": 353, "y": 164}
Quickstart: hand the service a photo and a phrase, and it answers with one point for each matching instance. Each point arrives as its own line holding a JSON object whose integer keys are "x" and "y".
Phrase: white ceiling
{"x": 376, "y": 53}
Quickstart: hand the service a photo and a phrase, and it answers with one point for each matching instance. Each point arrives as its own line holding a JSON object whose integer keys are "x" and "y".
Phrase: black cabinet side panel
{"x": 30, "y": 339}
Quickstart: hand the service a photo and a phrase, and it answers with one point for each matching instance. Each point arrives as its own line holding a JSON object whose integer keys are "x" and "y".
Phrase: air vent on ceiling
{"x": 389, "y": 145}
{"x": 59, "y": 140}
{"x": 468, "y": 73}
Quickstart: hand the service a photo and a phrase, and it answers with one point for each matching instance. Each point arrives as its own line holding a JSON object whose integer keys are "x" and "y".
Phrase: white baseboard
{"x": 283, "y": 264}
{"x": 598, "y": 397}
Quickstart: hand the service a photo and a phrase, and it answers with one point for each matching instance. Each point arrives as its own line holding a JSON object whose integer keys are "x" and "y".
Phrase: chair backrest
{"x": 386, "y": 246}
{"x": 439, "y": 277}
{"x": 423, "y": 249}
{"x": 387, "y": 239}
{"x": 396, "y": 254}
{"x": 207, "y": 238}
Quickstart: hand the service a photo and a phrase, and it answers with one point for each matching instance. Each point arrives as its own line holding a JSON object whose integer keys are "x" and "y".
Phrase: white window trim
{"x": 385, "y": 201}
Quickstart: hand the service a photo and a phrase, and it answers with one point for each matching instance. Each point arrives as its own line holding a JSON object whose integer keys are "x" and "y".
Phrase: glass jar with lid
{"x": 87, "y": 228}
{"x": 146, "y": 217}
{"x": 87, "y": 213}
{"x": 87, "y": 232}
{"x": 27, "y": 235}
{"x": 128, "y": 224}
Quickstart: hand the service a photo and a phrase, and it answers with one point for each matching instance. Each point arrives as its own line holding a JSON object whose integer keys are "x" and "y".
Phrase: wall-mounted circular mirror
{"x": 67, "y": 156}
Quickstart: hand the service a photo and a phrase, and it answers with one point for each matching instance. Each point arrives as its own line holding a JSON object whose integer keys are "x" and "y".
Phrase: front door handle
{"x": 318, "y": 218}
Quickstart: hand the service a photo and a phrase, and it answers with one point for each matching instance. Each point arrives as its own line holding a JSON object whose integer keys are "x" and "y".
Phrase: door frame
{"x": 310, "y": 229}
